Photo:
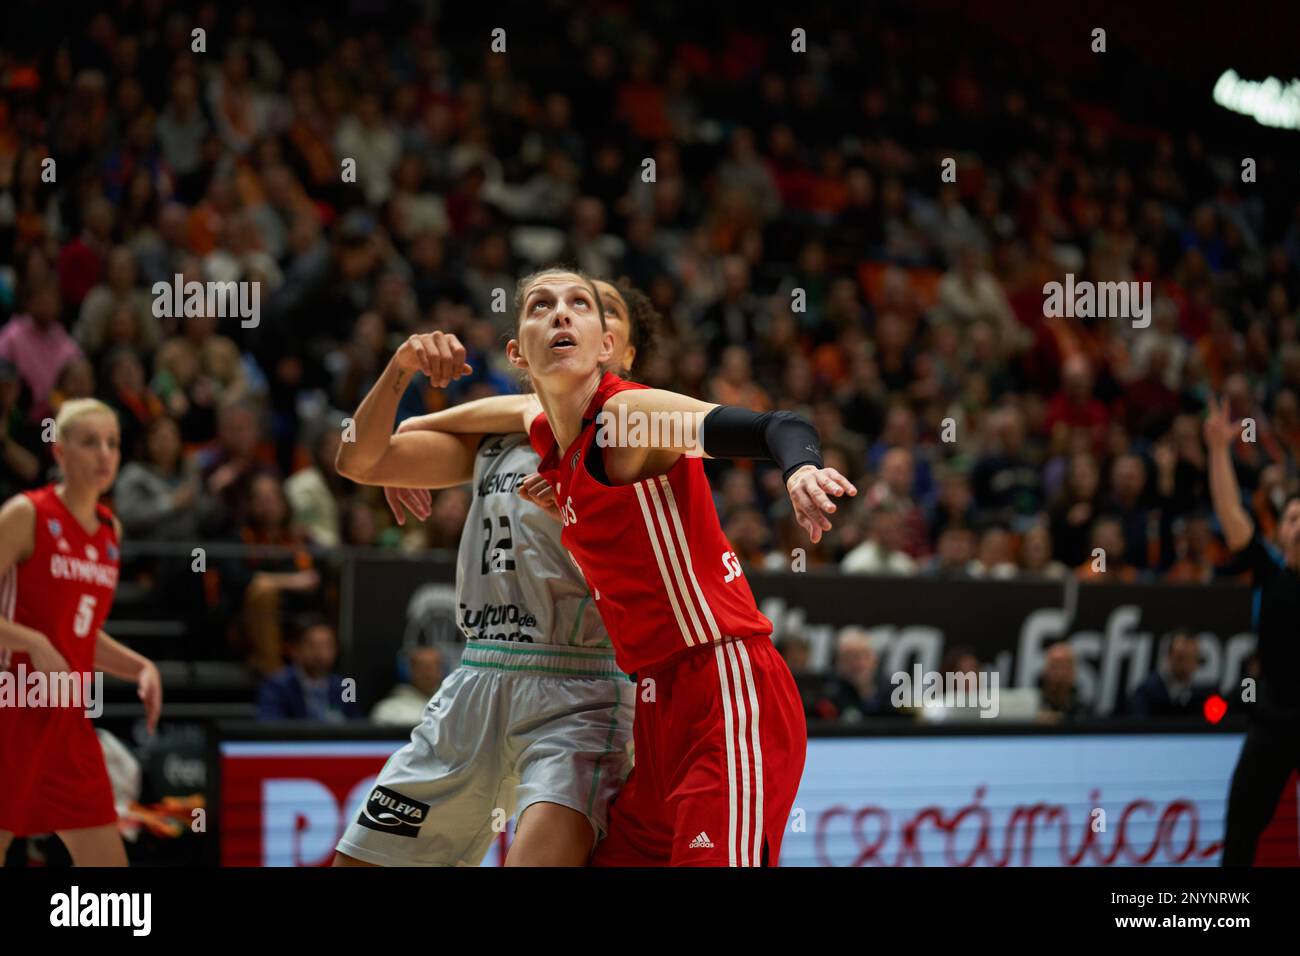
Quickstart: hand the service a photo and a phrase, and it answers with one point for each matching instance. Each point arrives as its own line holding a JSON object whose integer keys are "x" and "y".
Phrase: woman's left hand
{"x": 149, "y": 690}
{"x": 811, "y": 489}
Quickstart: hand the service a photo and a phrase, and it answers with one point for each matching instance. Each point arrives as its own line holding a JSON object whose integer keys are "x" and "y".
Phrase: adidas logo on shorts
{"x": 701, "y": 841}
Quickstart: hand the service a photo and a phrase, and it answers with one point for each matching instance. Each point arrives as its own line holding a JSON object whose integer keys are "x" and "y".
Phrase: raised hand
{"x": 1219, "y": 429}
{"x": 438, "y": 355}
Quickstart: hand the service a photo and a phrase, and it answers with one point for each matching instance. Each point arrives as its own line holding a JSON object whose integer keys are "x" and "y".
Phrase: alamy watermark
{"x": 78, "y": 690}
{"x": 223, "y": 300}
{"x": 133, "y": 911}
{"x": 1098, "y": 300}
{"x": 921, "y": 689}
{"x": 638, "y": 429}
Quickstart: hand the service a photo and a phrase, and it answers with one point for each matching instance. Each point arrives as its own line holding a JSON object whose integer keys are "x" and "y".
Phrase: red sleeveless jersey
{"x": 664, "y": 577}
{"x": 65, "y": 588}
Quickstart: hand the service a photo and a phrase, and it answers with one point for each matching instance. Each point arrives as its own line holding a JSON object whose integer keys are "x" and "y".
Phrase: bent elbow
{"x": 348, "y": 467}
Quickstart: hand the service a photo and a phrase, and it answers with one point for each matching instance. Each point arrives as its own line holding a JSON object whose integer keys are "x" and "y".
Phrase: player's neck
{"x": 80, "y": 501}
{"x": 565, "y": 405}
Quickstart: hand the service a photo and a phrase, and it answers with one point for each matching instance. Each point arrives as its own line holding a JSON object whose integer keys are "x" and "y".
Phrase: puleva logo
{"x": 390, "y": 812}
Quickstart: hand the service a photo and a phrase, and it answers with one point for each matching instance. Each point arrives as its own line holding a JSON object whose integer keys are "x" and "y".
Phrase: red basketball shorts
{"x": 720, "y": 742}
{"x": 52, "y": 772}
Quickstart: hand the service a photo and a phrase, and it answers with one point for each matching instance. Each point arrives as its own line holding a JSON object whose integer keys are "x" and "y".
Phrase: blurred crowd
{"x": 793, "y": 230}
{"x": 860, "y": 689}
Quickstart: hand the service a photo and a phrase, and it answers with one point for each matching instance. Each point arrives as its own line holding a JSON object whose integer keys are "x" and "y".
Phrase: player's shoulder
{"x": 540, "y": 435}
{"x": 18, "y": 521}
{"x": 21, "y": 507}
{"x": 611, "y": 385}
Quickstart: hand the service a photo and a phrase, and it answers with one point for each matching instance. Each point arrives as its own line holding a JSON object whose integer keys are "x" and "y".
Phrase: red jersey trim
{"x": 672, "y": 553}
{"x": 102, "y": 512}
{"x": 542, "y": 437}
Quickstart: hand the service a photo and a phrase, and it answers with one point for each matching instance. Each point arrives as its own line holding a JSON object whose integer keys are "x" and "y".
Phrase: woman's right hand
{"x": 1219, "y": 429}
{"x": 417, "y": 501}
{"x": 538, "y": 490}
{"x": 439, "y": 355}
{"x": 45, "y": 657}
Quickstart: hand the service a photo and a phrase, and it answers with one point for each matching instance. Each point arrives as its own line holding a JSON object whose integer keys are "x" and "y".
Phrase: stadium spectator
{"x": 81, "y": 261}
{"x": 307, "y": 688}
{"x": 75, "y": 380}
{"x": 882, "y": 551}
{"x": 229, "y": 466}
{"x": 1075, "y": 405}
{"x": 405, "y": 703}
{"x": 1106, "y": 561}
{"x": 102, "y": 304}
{"x": 158, "y": 498}
{"x": 1007, "y": 486}
{"x": 1058, "y": 691}
{"x": 123, "y": 388}
{"x": 20, "y": 466}
{"x": 1036, "y": 556}
{"x": 267, "y": 589}
{"x": 894, "y": 491}
{"x": 796, "y": 653}
{"x": 39, "y": 346}
{"x": 954, "y": 554}
{"x": 1170, "y": 690}
{"x": 1127, "y": 503}
{"x": 955, "y": 506}
{"x": 314, "y": 492}
{"x": 854, "y": 692}
{"x": 1195, "y": 550}
{"x": 993, "y": 556}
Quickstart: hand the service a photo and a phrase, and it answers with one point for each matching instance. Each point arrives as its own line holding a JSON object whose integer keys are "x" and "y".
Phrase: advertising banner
{"x": 996, "y": 800}
{"x": 1115, "y": 629}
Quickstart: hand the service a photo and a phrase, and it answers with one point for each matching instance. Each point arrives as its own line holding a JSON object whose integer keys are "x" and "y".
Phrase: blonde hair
{"x": 74, "y": 410}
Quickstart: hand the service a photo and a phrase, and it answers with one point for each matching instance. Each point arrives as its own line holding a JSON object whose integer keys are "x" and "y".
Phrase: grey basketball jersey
{"x": 514, "y": 580}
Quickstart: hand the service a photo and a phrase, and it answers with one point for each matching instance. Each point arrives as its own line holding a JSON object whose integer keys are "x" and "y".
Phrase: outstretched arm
{"x": 1220, "y": 433}
{"x": 647, "y": 429}
{"x": 494, "y": 415}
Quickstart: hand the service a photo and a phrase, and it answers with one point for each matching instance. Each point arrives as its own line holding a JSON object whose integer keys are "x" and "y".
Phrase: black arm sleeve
{"x": 783, "y": 437}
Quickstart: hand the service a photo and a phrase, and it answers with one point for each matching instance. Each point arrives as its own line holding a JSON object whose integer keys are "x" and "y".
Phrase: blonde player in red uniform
{"x": 59, "y": 562}
{"x": 719, "y": 731}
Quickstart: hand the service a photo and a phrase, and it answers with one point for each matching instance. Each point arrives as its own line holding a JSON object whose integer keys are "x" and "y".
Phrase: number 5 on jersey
{"x": 85, "y": 615}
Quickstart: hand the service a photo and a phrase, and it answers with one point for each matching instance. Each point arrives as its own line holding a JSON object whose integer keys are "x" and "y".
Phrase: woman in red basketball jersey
{"x": 59, "y": 563}
{"x": 719, "y": 731}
